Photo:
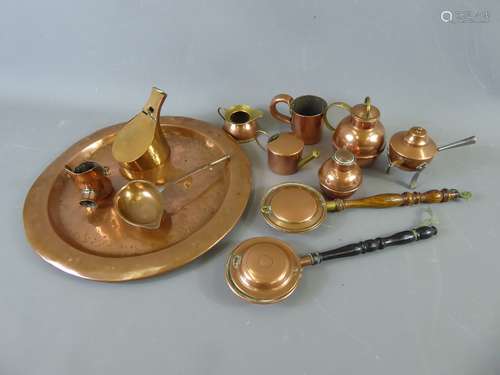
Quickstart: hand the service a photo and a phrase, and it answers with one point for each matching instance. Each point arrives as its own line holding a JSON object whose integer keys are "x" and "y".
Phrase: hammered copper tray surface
{"x": 98, "y": 245}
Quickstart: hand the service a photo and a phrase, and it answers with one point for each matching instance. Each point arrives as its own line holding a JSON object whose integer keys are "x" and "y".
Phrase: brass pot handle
{"x": 259, "y": 132}
{"x": 341, "y": 105}
{"x": 221, "y": 114}
{"x": 313, "y": 155}
{"x": 280, "y": 98}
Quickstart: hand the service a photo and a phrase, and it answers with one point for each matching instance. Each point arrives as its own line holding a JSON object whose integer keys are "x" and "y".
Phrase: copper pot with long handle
{"x": 413, "y": 150}
{"x": 284, "y": 152}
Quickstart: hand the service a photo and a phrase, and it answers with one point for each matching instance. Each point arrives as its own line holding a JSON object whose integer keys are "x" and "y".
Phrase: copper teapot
{"x": 414, "y": 149}
{"x": 361, "y": 131}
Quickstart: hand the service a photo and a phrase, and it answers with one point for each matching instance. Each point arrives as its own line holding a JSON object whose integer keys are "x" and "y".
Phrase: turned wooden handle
{"x": 396, "y": 200}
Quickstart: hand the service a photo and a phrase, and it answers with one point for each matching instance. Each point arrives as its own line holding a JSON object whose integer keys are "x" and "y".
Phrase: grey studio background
{"x": 69, "y": 68}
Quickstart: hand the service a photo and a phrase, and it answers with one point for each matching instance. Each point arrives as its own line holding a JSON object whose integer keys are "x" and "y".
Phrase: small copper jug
{"x": 340, "y": 176}
{"x": 306, "y": 115}
{"x": 92, "y": 180}
{"x": 140, "y": 146}
{"x": 240, "y": 121}
{"x": 414, "y": 149}
{"x": 284, "y": 153}
{"x": 361, "y": 131}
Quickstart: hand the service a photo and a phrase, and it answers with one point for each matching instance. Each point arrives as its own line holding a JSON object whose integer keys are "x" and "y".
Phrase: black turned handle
{"x": 367, "y": 246}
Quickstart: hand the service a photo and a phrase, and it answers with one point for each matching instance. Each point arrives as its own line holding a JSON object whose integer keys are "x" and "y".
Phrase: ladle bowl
{"x": 141, "y": 203}
{"x": 267, "y": 270}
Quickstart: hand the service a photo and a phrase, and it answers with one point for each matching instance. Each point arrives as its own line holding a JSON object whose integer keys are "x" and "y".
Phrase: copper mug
{"x": 240, "y": 121}
{"x": 92, "y": 180}
{"x": 306, "y": 115}
{"x": 284, "y": 152}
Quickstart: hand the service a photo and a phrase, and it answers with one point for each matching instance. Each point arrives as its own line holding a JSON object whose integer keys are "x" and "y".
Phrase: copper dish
{"x": 96, "y": 244}
{"x": 294, "y": 207}
{"x": 267, "y": 270}
{"x": 413, "y": 151}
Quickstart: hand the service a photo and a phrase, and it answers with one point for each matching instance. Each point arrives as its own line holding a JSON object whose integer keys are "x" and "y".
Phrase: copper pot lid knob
{"x": 366, "y": 111}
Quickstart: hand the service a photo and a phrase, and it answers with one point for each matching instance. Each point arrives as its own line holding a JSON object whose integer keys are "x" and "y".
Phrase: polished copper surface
{"x": 284, "y": 153}
{"x": 306, "y": 115}
{"x": 361, "y": 132}
{"x": 412, "y": 148}
{"x": 91, "y": 180}
{"x": 340, "y": 176}
{"x": 96, "y": 244}
{"x": 293, "y": 207}
{"x": 240, "y": 121}
{"x": 140, "y": 146}
{"x": 263, "y": 270}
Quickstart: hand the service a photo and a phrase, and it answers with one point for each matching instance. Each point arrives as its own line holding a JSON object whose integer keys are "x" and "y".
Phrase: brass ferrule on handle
{"x": 313, "y": 155}
{"x": 341, "y": 105}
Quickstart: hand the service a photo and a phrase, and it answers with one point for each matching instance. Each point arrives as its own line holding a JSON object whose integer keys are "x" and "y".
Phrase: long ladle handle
{"x": 460, "y": 143}
{"x": 400, "y": 238}
{"x": 395, "y": 200}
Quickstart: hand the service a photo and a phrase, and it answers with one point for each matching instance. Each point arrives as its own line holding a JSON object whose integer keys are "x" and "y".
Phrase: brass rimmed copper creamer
{"x": 413, "y": 150}
{"x": 284, "y": 152}
{"x": 240, "y": 121}
{"x": 266, "y": 270}
{"x": 309, "y": 208}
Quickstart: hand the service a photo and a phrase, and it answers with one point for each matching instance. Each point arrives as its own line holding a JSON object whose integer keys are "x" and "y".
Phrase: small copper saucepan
{"x": 267, "y": 270}
{"x": 284, "y": 152}
{"x": 240, "y": 121}
{"x": 294, "y": 207}
{"x": 413, "y": 151}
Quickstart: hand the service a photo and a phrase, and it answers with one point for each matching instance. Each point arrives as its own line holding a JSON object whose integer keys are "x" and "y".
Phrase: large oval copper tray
{"x": 98, "y": 245}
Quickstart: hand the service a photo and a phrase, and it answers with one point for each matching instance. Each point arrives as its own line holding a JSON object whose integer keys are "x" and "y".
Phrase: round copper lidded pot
{"x": 361, "y": 131}
{"x": 340, "y": 176}
{"x": 284, "y": 152}
{"x": 414, "y": 149}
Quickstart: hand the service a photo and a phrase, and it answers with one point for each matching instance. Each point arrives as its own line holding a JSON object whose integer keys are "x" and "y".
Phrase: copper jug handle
{"x": 280, "y": 98}
{"x": 341, "y": 105}
{"x": 303, "y": 161}
{"x": 154, "y": 103}
{"x": 260, "y": 132}
{"x": 221, "y": 111}
{"x": 460, "y": 143}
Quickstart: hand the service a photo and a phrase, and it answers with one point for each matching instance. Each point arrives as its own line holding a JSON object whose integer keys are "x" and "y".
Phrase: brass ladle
{"x": 295, "y": 207}
{"x": 267, "y": 270}
{"x": 141, "y": 204}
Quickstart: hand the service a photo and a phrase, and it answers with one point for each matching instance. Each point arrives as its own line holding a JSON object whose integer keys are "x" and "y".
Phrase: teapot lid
{"x": 414, "y": 144}
{"x": 365, "y": 111}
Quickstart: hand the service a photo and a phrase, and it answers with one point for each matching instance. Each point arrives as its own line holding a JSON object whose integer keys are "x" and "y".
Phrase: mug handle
{"x": 280, "y": 98}
{"x": 261, "y": 132}
{"x": 219, "y": 111}
{"x": 341, "y": 105}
